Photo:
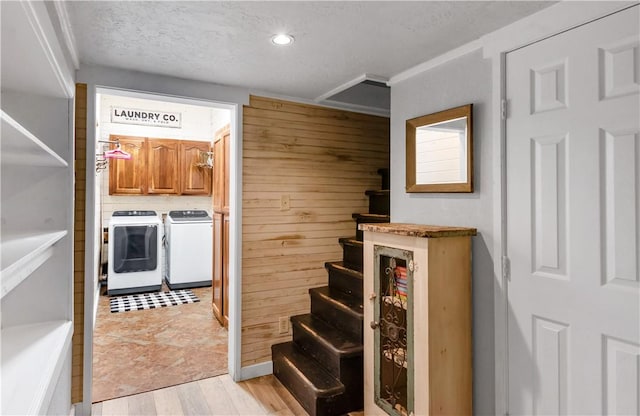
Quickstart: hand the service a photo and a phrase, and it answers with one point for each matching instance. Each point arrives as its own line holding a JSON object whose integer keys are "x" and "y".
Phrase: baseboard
{"x": 256, "y": 370}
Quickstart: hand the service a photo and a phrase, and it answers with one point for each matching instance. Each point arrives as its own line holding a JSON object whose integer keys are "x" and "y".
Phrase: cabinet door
{"x": 225, "y": 179}
{"x": 218, "y": 174}
{"x": 217, "y": 284}
{"x": 225, "y": 269}
{"x": 221, "y": 147}
{"x": 163, "y": 167}
{"x": 194, "y": 179}
{"x": 129, "y": 176}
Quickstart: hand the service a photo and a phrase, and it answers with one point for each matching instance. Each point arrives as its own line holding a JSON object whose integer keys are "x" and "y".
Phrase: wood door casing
{"x": 194, "y": 180}
{"x": 163, "y": 169}
{"x": 129, "y": 177}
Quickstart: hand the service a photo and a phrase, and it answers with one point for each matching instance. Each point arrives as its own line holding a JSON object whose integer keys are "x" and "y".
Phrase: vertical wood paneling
{"x": 305, "y": 170}
{"x": 80, "y": 136}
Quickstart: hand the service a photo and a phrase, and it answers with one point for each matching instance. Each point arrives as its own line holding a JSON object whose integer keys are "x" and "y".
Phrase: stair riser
{"x": 379, "y": 204}
{"x": 325, "y": 310}
{"x": 360, "y": 234}
{"x": 352, "y": 257}
{"x": 315, "y": 406}
{"x": 345, "y": 283}
{"x": 343, "y": 368}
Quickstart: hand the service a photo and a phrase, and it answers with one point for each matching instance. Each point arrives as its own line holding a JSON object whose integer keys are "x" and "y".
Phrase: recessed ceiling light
{"x": 282, "y": 39}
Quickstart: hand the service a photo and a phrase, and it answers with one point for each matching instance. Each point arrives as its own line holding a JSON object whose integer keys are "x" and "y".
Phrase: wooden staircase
{"x": 322, "y": 366}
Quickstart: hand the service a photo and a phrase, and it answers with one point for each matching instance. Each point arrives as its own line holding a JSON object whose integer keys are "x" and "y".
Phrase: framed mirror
{"x": 440, "y": 151}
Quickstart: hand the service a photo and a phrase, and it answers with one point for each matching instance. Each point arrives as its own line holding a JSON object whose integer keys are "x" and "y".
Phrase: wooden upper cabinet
{"x": 194, "y": 179}
{"x": 163, "y": 170}
{"x": 221, "y": 170}
{"x": 159, "y": 166}
{"x": 129, "y": 177}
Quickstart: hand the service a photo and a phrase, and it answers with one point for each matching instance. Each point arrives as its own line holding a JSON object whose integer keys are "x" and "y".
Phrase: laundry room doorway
{"x": 154, "y": 321}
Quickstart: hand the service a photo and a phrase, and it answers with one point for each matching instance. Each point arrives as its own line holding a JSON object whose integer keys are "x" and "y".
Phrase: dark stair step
{"x": 352, "y": 253}
{"x": 368, "y": 219}
{"x": 386, "y": 179}
{"x": 316, "y": 390}
{"x": 379, "y": 201}
{"x": 338, "y": 309}
{"x": 339, "y": 352}
{"x": 344, "y": 279}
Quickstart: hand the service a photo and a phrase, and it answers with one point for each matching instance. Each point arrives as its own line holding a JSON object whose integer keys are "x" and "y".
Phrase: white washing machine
{"x": 135, "y": 240}
{"x": 189, "y": 249}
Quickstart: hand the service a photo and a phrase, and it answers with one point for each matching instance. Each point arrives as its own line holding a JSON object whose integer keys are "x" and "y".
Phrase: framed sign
{"x": 154, "y": 118}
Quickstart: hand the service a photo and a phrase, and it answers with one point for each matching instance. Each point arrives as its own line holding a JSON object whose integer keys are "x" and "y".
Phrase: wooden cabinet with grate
{"x": 417, "y": 339}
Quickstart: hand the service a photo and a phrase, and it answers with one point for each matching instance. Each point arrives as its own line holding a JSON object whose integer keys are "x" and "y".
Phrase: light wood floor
{"x": 211, "y": 396}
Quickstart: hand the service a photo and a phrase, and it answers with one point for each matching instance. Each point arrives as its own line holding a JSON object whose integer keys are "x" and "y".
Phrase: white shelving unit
{"x": 36, "y": 224}
{"x": 20, "y": 146}
{"x": 22, "y": 255}
{"x": 32, "y": 359}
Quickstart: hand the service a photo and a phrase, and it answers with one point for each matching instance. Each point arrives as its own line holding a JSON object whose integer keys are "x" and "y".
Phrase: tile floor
{"x": 140, "y": 351}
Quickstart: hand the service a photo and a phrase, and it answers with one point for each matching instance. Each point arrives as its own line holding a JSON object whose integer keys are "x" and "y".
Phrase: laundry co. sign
{"x": 145, "y": 117}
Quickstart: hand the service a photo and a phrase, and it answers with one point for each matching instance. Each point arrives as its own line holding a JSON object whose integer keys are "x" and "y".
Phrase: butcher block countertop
{"x": 418, "y": 230}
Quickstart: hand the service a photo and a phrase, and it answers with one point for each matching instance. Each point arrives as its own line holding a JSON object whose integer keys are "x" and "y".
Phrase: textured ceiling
{"x": 229, "y": 42}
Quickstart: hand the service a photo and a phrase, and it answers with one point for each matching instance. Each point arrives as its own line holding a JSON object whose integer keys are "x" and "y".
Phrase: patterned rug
{"x": 151, "y": 300}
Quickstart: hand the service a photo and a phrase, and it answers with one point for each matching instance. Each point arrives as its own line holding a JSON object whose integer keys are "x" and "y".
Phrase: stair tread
{"x": 350, "y": 240}
{"x": 346, "y": 302}
{"x": 371, "y": 216}
{"x": 306, "y": 368}
{"x": 339, "y": 341}
{"x": 381, "y": 192}
{"x": 339, "y": 266}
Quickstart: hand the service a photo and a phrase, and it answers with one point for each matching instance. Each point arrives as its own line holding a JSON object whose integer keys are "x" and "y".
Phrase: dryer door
{"x": 135, "y": 248}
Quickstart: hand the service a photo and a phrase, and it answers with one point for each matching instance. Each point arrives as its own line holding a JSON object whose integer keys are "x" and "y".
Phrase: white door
{"x": 573, "y": 173}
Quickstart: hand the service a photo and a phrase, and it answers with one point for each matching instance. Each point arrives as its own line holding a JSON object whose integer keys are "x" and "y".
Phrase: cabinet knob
{"x": 374, "y": 324}
{"x": 372, "y": 296}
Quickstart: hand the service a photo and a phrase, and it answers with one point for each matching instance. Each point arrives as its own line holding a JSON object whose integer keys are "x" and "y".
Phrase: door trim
{"x": 235, "y": 246}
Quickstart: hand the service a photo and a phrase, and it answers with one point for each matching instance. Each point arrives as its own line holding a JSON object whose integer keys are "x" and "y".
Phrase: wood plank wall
{"x": 80, "y": 135}
{"x": 322, "y": 160}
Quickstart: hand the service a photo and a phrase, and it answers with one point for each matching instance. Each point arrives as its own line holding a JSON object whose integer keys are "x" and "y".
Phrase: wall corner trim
{"x": 256, "y": 370}
{"x": 336, "y": 105}
{"x": 67, "y": 32}
{"x": 44, "y": 31}
{"x": 437, "y": 61}
{"x": 357, "y": 80}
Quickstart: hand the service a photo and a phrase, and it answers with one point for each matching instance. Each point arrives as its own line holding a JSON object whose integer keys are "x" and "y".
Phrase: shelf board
{"x": 20, "y": 146}
{"x": 22, "y": 255}
{"x": 32, "y": 359}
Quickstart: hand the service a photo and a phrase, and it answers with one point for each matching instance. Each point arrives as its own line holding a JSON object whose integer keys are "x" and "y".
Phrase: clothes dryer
{"x": 135, "y": 240}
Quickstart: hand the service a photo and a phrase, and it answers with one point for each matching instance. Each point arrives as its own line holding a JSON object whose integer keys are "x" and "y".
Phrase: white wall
{"x": 461, "y": 81}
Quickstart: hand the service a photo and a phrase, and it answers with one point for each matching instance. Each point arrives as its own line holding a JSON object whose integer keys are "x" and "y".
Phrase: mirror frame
{"x": 439, "y": 117}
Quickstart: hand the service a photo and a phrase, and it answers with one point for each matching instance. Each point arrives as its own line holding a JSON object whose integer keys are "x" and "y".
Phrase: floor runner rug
{"x": 143, "y": 301}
